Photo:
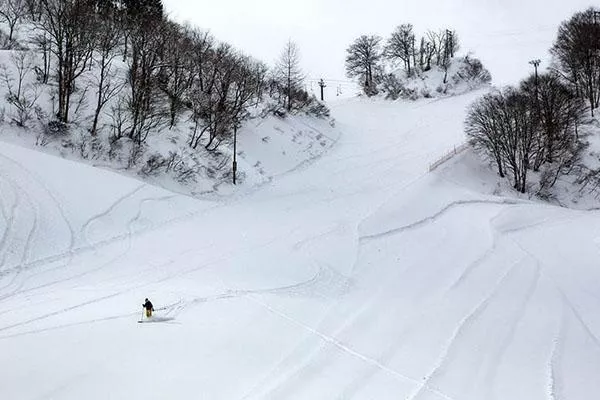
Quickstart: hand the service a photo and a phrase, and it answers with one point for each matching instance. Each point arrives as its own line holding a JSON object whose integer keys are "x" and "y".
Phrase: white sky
{"x": 505, "y": 34}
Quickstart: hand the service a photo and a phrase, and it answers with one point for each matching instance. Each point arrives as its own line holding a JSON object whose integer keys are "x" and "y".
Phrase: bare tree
{"x": 22, "y": 93}
{"x": 136, "y": 13}
{"x": 176, "y": 73}
{"x": 559, "y": 113}
{"x": 577, "y": 53}
{"x": 12, "y": 11}
{"x": 44, "y": 44}
{"x": 401, "y": 46}
{"x": 144, "y": 101}
{"x": 210, "y": 114}
{"x": 483, "y": 127}
{"x": 236, "y": 89}
{"x": 501, "y": 124}
{"x": 220, "y": 102}
{"x": 33, "y": 9}
{"x": 66, "y": 25}
{"x": 288, "y": 72}
{"x": 202, "y": 44}
{"x": 450, "y": 47}
{"x": 260, "y": 72}
{"x": 107, "y": 83}
{"x": 363, "y": 60}
{"x": 203, "y": 96}
{"x": 143, "y": 11}
{"x": 437, "y": 41}
{"x": 452, "y": 43}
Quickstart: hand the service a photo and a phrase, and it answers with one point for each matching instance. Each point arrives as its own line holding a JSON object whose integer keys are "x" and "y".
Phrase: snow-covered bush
{"x": 315, "y": 108}
{"x": 22, "y": 92}
{"x": 392, "y": 86}
{"x": 56, "y": 128}
{"x": 472, "y": 71}
{"x": 462, "y": 74}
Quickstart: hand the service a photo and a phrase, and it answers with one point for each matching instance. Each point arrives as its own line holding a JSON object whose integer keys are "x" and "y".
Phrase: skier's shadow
{"x": 159, "y": 319}
{"x": 162, "y": 319}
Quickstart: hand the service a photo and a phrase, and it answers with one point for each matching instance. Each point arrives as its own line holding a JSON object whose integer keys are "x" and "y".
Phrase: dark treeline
{"x": 148, "y": 71}
{"x": 535, "y": 126}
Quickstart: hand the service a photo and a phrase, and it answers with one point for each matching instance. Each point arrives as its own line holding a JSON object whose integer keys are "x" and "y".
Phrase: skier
{"x": 149, "y": 308}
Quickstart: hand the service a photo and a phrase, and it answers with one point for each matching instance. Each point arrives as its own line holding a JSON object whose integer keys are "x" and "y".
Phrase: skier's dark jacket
{"x": 148, "y": 306}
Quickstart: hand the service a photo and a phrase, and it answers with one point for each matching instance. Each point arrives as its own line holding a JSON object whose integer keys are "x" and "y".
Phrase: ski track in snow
{"x": 58, "y": 312}
{"x": 65, "y": 258}
{"x": 168, "y": 308}
{"x": 179, "y": 306}
{"x": 106, "y": 212}
{"x": 419, "y": 223}
{"x": 96, "y": 246}
{"x": 464, "y": 324}
{"x": 27, "y": 175}
{"x": 11, "y": 236}
{"x": 554, "y": 374}
{"x": 424, "y": 310}
{"x": 9, "y": 217}
{"x": 230, "y": 294}
{"x": 517, "y": 317}
{"x": 390, "y": 352}
{"x": 412, "y": 324}
{"x": 565, "y": 299}
{"x": 281, "y": 376}
{"x": 24, "y": 254}
{"x": 350, "y": 320}
{"x": 346, "y": 349}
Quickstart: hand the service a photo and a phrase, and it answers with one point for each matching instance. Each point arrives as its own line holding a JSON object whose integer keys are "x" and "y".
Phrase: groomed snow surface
{"x": 358, "y": 276}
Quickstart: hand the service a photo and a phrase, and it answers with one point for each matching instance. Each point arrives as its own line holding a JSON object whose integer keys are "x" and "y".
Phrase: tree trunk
{"x": 500, "y": 168}
{"x": 100, "y": 93}
{"x": 12, "y": 29}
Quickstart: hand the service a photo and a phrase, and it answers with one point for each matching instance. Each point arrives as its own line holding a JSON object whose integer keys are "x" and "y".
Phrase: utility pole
{"x": 536, "y": 64}
{"x": 234, "y": 152}
{"x": 323, "y": 86}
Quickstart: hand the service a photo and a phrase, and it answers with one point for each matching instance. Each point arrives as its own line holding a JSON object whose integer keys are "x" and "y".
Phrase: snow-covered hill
{"x": 270, "y": 140}
{"x": 463, "y": 74}
{"x": 357, "y": 276}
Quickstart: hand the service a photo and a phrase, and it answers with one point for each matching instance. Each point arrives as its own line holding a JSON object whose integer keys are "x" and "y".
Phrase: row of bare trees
{"x": 535, "y": 127}
{"x": 526, "y": 128}
{"x": 146, "y": 72}
{"x": 366, "y": 55}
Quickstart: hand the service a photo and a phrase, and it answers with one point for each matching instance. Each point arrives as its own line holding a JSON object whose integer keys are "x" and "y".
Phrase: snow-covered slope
{"x": 268, "y": 145}
{"x": 357, "y": 276}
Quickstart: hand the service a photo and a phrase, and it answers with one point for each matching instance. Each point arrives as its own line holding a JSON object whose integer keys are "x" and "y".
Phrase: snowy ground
{"x": 358, "y": 276}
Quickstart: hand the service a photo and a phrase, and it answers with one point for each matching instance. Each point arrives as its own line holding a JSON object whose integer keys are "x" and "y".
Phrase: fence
{"x": 447, "y": 156}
